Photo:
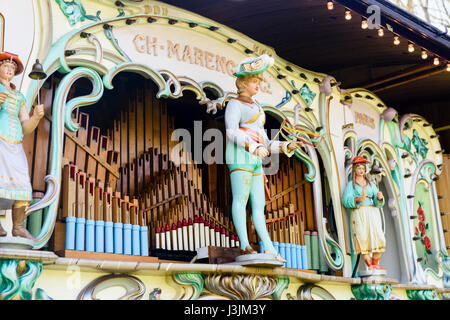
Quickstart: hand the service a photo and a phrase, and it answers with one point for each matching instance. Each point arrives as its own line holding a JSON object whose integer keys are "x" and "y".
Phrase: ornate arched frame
{"x": 428, "y": 169}
{"x": 403, "y": 204}
{"x": 371, "y": 151}
{"x": 383, "y": 151}
{"x": 327, "y": 244}
{"x": 91, "y": 65}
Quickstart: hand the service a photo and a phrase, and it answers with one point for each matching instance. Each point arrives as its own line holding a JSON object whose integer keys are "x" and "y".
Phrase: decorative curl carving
{"x": 241, "y": 287}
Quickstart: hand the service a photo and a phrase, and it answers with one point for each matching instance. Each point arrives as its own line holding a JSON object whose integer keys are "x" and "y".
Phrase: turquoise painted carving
{"x": 426, "y": 294}
{"x": 372, "y": 291}
{"x": 17, "y": 278}
{"x": 61, "y": 114}
{"x": 394, "y": 132}
{"x": 310, "y": 176}
{"x": 41, "y": 295}
{"x": 307, "y": 94}
{"x": 282, "y": 285}
{"x": 142, "y": 69}
{"x": 110, "y": 36}
{"x": 406, "y": 143}
{"x": 78, "y": 102}
{"x": 193, "y": 279}
{"x": 335, "y": 263}
{"x": 75, "y": 12}
{"x": 419, "y": 144}
{"x": 285, "y": 100}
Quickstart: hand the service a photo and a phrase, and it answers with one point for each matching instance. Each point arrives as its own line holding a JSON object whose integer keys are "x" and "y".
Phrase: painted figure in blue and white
{"x": 247, "y": 145}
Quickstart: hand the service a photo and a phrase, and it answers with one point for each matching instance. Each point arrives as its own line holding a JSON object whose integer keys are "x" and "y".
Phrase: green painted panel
{"x": 423, "y": 228}
{"x": 307, "y": 94}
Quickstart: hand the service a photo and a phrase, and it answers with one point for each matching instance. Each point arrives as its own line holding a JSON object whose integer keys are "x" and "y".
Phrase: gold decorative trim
{"x": 10, "y": 141}
{"x": 253, "y": 119}
{"x": 242, "y": 169}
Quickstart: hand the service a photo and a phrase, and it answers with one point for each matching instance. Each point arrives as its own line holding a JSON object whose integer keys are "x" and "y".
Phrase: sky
{"x": 439, "y": 11}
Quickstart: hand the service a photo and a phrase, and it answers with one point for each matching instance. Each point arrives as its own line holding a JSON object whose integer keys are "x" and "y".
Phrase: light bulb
{"x": 436, "y": 61}
{"x": 410, "y": 47}
{"x": 364, "y": 24}
{"x": 330, "y": 5}
{"x": 396, "y": 41}
{"x": 380, "y": 32}
{"x": 424, "y": 54}
{"x": 348, "y": 15}
{"x": 448, "y": 67}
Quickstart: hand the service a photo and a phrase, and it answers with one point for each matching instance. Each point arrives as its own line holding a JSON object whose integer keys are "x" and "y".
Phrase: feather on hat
{"x": 254, "y": 66}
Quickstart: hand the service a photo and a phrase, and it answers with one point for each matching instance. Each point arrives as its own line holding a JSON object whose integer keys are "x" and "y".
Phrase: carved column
{"x": 368, "y": 291}
{"x": 19, "y": 270}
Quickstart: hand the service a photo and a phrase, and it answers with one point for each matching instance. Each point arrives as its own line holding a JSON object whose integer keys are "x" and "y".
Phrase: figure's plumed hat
{"x": 14, "y": 57}
{"x": 254, "y": 66}
{"x": 358, "y": 159}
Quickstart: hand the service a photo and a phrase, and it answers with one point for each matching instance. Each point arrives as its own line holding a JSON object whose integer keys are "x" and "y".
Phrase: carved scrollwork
{"x": 313, "y": 292}
{"x": 134, "y": 288}
{"x": 241, "y": 287}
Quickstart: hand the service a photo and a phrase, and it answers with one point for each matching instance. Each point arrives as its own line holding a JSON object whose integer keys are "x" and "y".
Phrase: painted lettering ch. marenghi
{"x": 186, "y": 53}
{"x": 190, "y": 54}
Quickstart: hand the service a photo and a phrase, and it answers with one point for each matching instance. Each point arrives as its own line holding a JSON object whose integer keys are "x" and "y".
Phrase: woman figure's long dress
{"x": 366, "y": 225}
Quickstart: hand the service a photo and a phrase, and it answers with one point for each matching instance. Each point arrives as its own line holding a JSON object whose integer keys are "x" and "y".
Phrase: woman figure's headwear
{"x": 254, "y": 66}
{"x": 14, "y": 58}
{"x": 359, "y": 159}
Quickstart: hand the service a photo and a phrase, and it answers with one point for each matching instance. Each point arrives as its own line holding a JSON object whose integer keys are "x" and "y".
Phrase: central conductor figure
{"x": 247, "y": 145}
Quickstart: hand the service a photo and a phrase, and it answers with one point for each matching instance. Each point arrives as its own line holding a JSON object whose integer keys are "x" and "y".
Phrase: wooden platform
{"x": 85, "y": 255}
{"x": 74, "y": 254}
{"x": 302, "y": 270}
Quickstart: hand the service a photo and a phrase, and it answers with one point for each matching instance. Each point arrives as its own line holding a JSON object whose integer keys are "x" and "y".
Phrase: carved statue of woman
{"x": 247, "y": 145}
{"x": 363, "y": 197}
{"x": 15, "y": 122}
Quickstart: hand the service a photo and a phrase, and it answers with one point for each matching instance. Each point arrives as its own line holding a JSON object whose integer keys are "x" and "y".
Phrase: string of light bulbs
{"x": 364, "y": 25}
